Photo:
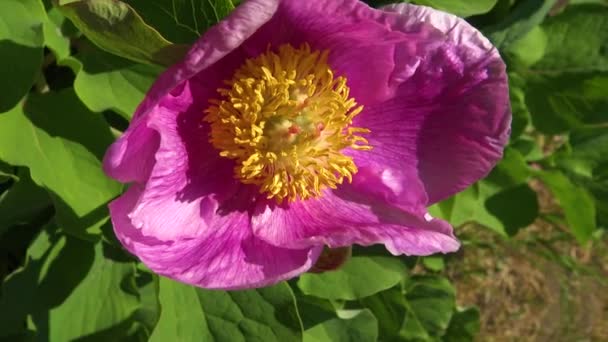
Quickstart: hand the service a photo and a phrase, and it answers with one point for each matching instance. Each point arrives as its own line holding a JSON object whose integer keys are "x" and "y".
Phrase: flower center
{"x": 285, "y": 120}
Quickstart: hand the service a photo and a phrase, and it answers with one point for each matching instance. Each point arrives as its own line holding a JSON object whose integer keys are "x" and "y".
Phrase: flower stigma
{"x": 285, "y": 119}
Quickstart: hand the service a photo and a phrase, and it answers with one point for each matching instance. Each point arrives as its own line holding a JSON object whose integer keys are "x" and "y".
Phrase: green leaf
{"x": 419, "y": 312}
{"x": 390, "y": 309}
{"x": 492, "y": 201}
{"x": 525, "y": 16}
{"x": 148, "y": 288}
{"x": 562, "y": 102}
{"x": 358, "y": 278}
{"x": 117, "y": 28}
{"x": 62, "y": 143}
{"x": 464, "y": 326}
{"x": 566, "y": 51}
{"x": 586, "y": 162}
{"x": 430, "y": 301}
{"x": 362, "y": 327}
{"x": 182, "y": 21}
{"x": 182, "y": 317}
{"x": 469, "y": 206}
{"x": 193, "y": 314}
{"x": 434, "y": 263}
{"x": 22, "y": 201}
{"x": 530, "y": 48}
{"x": 55, "y": 37}
{"x": 69, "y": 290}
{"x": 107, "y": 82}
{"x": 519, "y": 109}
{"x": 578, "y": 205}
{"x": 461, "y": 8}
{"x": 515, "y": 207}
{"x": 21, "y": 43}
{"x": 511, "y": 170}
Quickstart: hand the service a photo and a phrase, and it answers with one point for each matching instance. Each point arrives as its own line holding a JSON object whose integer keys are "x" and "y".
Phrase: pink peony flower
{"x": 292, "y": 125}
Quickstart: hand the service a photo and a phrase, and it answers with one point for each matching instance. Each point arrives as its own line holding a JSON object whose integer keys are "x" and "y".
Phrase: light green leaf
{"x": 193, "y": 314}
{"x": 363, "y": 327}
{"x": 62, "y": 143}
{"x": 434, "y": 263}
{"x": 578, "y": 205}
{"x": 530, "y": 48}
{"x": 461, "y": 8}
{"x": 107, "y": 82}
{"x": 21, "y": 42}
{"x": 182, "y": 318}
{"x": 54, "y": 36}
{"x": 469, "y": 206}
{"x": 117, "y": 28}
{"x": 358, "y": 278}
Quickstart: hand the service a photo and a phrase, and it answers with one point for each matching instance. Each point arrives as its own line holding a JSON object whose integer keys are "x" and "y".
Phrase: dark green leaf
{"x": 430, "y": 301}
{"x": 70, "y": 290}
{"x": 359, "y": 277}
{"x": 464, "y": 326}
{"x": 182, "y": 21}
{"x": 461, "y": 8}
{"x": 362, "y": 327}
{"x": 515, "y": 207}
{"x": 567, "y": 50}
{"x": 421, "y": 312}
{"x": 22, "y": 201}
{"x": 526, "y": 15}
{"x": 562, "y": 102}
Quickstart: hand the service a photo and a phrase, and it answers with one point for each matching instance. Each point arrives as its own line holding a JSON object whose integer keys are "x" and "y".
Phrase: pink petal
{"x": 458, "y": 96}
{"x": 343, "y": 218}
{"x": 225, "y": 256}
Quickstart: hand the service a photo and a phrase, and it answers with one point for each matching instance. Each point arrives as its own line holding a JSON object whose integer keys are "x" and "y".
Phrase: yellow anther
{"x": 285, "y": 119}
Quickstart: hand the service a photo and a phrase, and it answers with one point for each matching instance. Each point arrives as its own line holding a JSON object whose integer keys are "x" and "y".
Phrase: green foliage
{"x": 461, "y": 8}
{"x": 74, "y": 72}
{"x": 192, "y": 314}
{"x": 358, "y": 278}
{"x": 358, "y": 325}
{"x": 21, "y": 41}
{"x": 117, "y": 28}
{"x": 107, "y": 82}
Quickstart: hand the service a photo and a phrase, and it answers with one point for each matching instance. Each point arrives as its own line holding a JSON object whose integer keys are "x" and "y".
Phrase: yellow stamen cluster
{"x": 285, "y": 119}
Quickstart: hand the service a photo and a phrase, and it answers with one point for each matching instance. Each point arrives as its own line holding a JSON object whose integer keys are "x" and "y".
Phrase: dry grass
{"x": 538, "y": 286}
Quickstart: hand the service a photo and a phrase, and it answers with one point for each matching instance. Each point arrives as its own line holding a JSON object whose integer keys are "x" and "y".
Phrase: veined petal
{"x": 225, "y": 256}
{"x": 343, "y": 218}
